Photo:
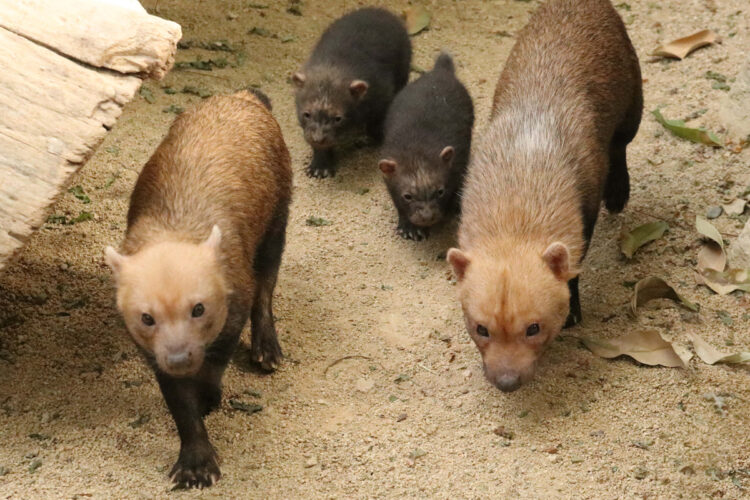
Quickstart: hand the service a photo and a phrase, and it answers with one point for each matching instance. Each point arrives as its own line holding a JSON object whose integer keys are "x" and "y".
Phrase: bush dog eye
{"x": 532, "y": 330}
{"x": 482, "y": 331}
{"x": 198, "y": 310}
{"x": 147, "y": 319}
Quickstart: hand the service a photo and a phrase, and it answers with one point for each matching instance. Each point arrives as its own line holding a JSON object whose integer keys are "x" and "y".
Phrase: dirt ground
{"x": 405, "y": 412}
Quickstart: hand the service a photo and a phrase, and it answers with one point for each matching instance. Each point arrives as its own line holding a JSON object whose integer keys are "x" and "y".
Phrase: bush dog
{"x": 566, "y": 105}
{"x": 426, "y": 148}
{"x": 359, "y": 64}
{"x": 206, "y": 230}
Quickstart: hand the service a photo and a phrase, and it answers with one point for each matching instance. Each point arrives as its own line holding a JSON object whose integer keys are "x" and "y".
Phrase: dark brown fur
{"x": 566, "y": 105}
{"x": 223, "y": 163}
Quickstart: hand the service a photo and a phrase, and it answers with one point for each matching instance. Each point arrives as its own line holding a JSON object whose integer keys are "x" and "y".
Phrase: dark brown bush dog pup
{"x": 426, "y": 148}
{"x": 206, "y": 230}
{"x": 567, "y": 104}
{"x": 359, "y": 64}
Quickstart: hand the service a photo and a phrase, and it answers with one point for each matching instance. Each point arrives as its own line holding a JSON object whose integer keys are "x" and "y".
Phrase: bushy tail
{"x": 445, "y": 61}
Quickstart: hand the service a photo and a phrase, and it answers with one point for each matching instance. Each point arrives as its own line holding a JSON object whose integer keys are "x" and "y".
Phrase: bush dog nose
{"x": 508, "y": 383}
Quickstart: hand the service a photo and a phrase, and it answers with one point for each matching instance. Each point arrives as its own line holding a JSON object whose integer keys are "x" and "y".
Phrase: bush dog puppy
{"x": 359, "y": 64}
{"x": 566, "y": 105}
{"x": 426, "y": 148}
{"x": 206, "y": 230}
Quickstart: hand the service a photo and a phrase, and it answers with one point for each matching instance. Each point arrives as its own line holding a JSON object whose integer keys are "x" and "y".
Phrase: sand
{"x": 405, "y": 412}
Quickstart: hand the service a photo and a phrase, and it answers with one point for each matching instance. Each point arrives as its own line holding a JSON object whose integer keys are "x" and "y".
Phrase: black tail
{"x": 444, "y": 61}
{"x": 261, "y": 97}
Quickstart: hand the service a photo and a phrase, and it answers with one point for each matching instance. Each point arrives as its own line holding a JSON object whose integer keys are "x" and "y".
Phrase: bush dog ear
{"x": 214, "y": 239}
{"x": 387, "y": 166}
{"x": 358, "y": 88}
{"x": 459, "y": 260}
{"x": 298, "y": 79}
{"x": 447, "y": 154}
{"x": 557, "y": 257}
{"x": 114, "y": 260}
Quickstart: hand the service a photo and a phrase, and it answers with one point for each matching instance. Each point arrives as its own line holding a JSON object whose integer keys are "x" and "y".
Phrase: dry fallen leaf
{"x": 681, "y": 47}
{"x": 727, "y": 281}
{"x": 735, "y": 207}
{"x": 708, "y": 230}
{"x": 711, "y": 256}
{"x": 710, "y": 355}
{"x": 645, "y": 346}
{"x": 678, "y": 128}
{"x": 641, "y": 235}
{"x": 417, "y": 18}
{"x": 656, "y": 288}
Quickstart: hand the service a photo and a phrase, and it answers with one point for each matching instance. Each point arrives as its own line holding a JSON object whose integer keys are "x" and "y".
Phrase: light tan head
{"x": 513, "y": 307}
{"x": 173, "y": 298}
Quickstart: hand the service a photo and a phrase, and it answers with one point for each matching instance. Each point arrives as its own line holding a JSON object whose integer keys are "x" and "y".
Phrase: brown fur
{"x": 232, "y": 186}
{"x": 568, "y": 100}
{"x": 206, "y": 230}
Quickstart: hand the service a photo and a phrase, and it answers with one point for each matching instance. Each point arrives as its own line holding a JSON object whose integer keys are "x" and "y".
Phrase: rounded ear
{"x": 298, "y": 79}
{"x": 388, "y": 167}
{"x": 557, "y": 258}
{"x": 214, "y": 239}
{"x": 358, "y": 88}
{"x": 447, "y": 154}
{"x": 459, "y": 260}
{"x": 114, "y": 260}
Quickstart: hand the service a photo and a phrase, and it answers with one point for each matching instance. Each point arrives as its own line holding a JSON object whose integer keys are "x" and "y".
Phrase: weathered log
{"x": 55, "y": 110}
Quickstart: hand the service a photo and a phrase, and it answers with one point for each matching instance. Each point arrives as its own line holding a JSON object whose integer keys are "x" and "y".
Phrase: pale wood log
{"x": 114, "y": 34}
{"x": 54, "y": 112}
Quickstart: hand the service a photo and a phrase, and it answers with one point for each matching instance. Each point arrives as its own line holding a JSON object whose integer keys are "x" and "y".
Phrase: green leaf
{"x": 653, "y": 287}
{"x": 249, "y": 408}
{"x": 317, "y": 221}
{"x": 645, "y": 346}
{"x": 417, "y": 18}
{"x": 79, "y": 193}
{"x": 678, "y": 128}
{"x": 173, "y": 108}
{"x": 641, "y": 235}
{"x": 146, "y": 93}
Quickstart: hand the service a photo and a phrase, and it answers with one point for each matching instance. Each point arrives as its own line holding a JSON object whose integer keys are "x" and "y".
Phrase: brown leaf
{"x": 711, "y": 256}
{"x": 417, "y": 18}
{"x": 656, "y": 288}
{"x": 727, "y": 281}
{"x": 710, "y": 355}
{"x": 645, "y": 346}
{"x": 735, "y": 207}
{"x": 681, "y": 47}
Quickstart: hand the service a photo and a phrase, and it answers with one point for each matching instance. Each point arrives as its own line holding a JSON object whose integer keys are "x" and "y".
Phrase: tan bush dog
{"x": 206, "y": 230}
{"x": 566, "y": 105}
{"x": 356, "y": 68}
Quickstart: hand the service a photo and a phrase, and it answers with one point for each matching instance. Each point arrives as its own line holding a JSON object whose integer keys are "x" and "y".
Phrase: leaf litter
{"x": 680, "y": 48}
{"x": 678, "y": 128}
{"x": 641, "y": 235}
{"x": 417, "y": 19}
{"x": 654, "y": 287}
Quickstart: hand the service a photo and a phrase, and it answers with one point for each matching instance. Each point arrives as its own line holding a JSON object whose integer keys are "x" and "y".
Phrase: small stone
{"x": 467, "y": 373}
{"x": 713, "y": 212}
{"x": 640, "y": 473}
{"x": 3, "y": 470}
{"x": 364, "y": 385}
{"x": 34, "y": 465}
{"x": 551, "y": 450}
{"x": 503, "y": 432}
{"x": 311, "y": 462}
{"x": 576, "y": 460}
{"x": 401, "y": 417}
{"x": 64, "y": 266}
{"x": 688, "y": 470}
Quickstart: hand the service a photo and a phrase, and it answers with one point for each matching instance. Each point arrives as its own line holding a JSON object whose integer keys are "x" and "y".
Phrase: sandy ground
{"x": 408, "y": 412}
